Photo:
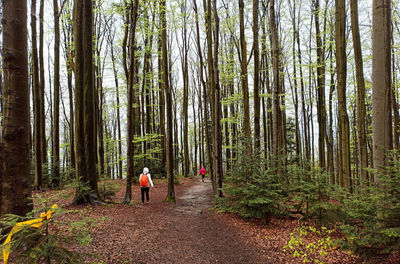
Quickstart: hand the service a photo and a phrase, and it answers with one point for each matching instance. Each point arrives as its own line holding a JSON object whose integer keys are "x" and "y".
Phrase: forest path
{"x": 185, "y": 232}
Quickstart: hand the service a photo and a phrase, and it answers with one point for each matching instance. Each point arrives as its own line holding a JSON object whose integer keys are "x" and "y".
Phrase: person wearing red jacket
{"x": 202, "y": 172}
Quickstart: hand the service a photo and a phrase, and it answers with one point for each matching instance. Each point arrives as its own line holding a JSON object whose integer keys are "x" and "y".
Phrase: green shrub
{"x": 309, "y": 194}
{"x": 107, "y": 189}
{"x": 372, "y": 222}
{"x": 252, "y": 191}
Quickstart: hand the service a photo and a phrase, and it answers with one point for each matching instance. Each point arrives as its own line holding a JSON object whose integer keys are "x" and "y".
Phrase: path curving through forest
{"x": 185, "y": 232}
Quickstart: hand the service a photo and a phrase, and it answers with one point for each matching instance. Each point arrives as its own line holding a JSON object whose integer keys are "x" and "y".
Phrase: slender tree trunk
{"x": 321, "y": 111}
{"x": 15, "y": 164}
{"x": 118, "y": 113}
{"x": 168, "y": 99}
{"x": 217, "y": 108}
{"x": 244, "y": 82}
{"x": 67, "y": 32}
{"x": 343, "y": 119}
{"x": 256, "y": 77}
{"x": 361, "y": 129}
{"x": 43, "y": 140}
{"x": 276, "y": 151}
{"x": 295, "y": 95}
{"x": 36, "y": 101}
{"x": 131, "y": 96}
{"x": 56, "y": 125}
{"x": 206, "y": 135}
{"x": 330, "y": 146}
{"x": 185, "y": 92}
{"x": 161, "y": 104}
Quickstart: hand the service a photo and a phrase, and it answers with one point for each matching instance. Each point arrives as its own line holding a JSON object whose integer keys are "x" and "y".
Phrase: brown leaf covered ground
{"x": 189, "y": 232}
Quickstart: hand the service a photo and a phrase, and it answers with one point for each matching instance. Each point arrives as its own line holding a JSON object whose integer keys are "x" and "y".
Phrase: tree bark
{"x": 56, "y": 124}
{"x": 381, "y": 83}
{"x": 118, "y": 110}
{"x": 217, "y": 108}
{"x": 321, "y": 111}
{"x": 245, "y": 84}
{"x": 343, "y": 119}
{"x": 84, "y": 102}
{"x": 256, "y": 77}
{"x": 185, "y": 69}
{"x": 276, "y": 146}
{"x": 16, "y": 184}
{"x": 43, "y": 140}
{"x": 361, "y": 129}
{"x": 168, "y": 99}
{"x": 36, "y": 101}
{"x": 131, "y": 95}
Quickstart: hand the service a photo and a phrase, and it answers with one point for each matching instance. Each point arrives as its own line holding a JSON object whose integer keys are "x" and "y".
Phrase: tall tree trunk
{"x": 67, "y": 32}
{"x": 168, "y": 99}
{"x": 36, "y": 101}
{"x": 343, "y": 119}
{"x": 295, "y": 95}
{"x": 84, "y": 101}
{"x": 321, "y": 111}
{"x": 381, "y": 83}
{"x": 217, "y": 108}
{"x": 161, "y": 96}
{"x": 43, "y": 140}
{"x": 15, "y": 181}
{"x": 185, "y": 91}
{"x": 118, "y": 112}
{"x": 256, "y": 77}
{"x": 56, "y": 124}
{"x": 244, "y": 82}
{"x": 206, "y": 135}
{"x": 330, "y": 146}
{"x": 276, "y": 151}
{"x": 131, "y": 97}
{"x": 361, "y": 129}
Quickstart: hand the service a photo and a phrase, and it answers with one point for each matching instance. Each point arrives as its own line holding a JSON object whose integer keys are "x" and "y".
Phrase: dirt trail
{"x": 187, "y": 232}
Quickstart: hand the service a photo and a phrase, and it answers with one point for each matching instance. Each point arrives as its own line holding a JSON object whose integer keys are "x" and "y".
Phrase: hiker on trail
{"x": 145, "y": 183}
{"x": 202, "y": 172}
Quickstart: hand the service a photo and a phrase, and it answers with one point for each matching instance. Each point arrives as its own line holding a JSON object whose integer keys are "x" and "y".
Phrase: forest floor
{"x": 190, "y": 231}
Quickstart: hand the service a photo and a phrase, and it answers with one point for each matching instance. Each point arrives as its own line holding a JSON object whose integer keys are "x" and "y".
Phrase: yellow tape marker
{"x": 32, "y": 223}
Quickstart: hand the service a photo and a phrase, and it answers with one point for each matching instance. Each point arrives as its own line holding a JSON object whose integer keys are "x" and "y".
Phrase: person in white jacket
{"x": 145, "y": 183}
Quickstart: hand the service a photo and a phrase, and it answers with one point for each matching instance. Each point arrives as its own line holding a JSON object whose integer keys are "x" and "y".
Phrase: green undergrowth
{"x": 308, "y": 244}
{"x": 55, "y": 241}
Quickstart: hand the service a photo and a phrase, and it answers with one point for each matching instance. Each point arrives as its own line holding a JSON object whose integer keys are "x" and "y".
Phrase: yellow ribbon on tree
{"x": 19, "y": 226}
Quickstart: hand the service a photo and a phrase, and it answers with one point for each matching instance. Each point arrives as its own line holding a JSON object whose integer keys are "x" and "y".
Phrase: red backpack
{"x": 144, "y": 180}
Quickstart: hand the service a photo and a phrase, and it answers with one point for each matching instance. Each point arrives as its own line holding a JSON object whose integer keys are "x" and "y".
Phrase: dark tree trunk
{"x": 43, "y": 140}
{"x": 244, "y": 82}
{"x": 131, "y": 96}
{"x": 168, "y": 100}
{"x": 85, "y": 102}
{"x": 56, "y": 124}
{"x": 343, "y": 119}
{"x": 256, "y": 77}
{"x": 15, "y": 138}
{"x": 361, "y": 125}
{"x": 36, "y": 101}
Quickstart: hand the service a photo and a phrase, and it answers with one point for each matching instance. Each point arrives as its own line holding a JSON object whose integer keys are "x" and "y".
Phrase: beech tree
{"x": 381, "y": 82}
{"x": 14, "y": 143}
{"x": 168, "y": 103}
{"x": 36, "y": 101}
{"x": 85, "y": 131}
{"x": 361, "y": 125}
{"x": 131, "y": 81}
{"x": 343, "y": 119}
